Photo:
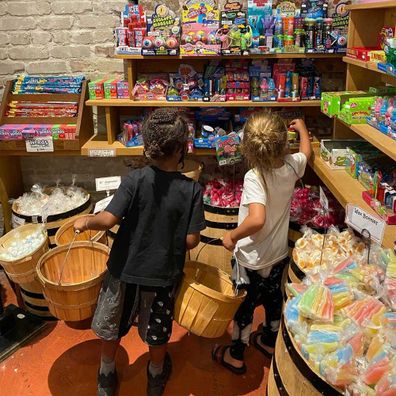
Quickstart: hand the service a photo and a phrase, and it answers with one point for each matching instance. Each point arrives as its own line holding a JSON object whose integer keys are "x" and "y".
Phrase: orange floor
{"x": 63, "y": 361}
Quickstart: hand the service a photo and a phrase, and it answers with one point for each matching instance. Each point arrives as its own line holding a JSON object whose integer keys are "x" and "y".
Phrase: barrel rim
{"x": 46, "y": 283}
{"x": 55, "y": 217}
{"x": 221, "y": 210}
{"x": 62, "y": 229}
{"x": 193, "y": 283}
{"x": 18, "y": 229}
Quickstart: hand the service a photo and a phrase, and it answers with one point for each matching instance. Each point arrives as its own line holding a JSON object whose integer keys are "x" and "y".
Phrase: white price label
{"x": 324, "y": 202}
{"x": 107, "y": 183}
{"x": 102, "y": 153}
{"x": 360, "y": 220}
{"x": 40, "y": 145}
{"x": 102, "y": 204}
{"x": 17, "y": 221}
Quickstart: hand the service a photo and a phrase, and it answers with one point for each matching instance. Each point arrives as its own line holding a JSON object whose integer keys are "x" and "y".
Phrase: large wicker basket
{"x": 206, "y": 301}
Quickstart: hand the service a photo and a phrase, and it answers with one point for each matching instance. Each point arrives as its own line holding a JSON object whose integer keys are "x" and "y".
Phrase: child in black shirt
{"x": 160, "y": 212}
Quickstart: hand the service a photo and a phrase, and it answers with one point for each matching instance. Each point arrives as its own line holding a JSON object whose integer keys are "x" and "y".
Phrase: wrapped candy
{"x": 362, "y": 311}
{"x": 317, "y": 303}
{"x": 223, "y": 193}
{"x": 386, "y": 386}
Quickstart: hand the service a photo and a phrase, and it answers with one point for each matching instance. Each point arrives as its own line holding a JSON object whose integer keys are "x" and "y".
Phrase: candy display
{"x": 28, "y": 131}
{"x": 22, "y": 246}
{"x": 131, "y": 133}
{"x": 383, "y": 115}
{"x": 41, "y": 109}
{"x": 151, "y": 87}
{"x": 48, "y": 84}
{"x": 223, "y": 193}
{"x": 108, "y": 89}
{"x": 50, "y": 201}
{"x": 187, "y": 84}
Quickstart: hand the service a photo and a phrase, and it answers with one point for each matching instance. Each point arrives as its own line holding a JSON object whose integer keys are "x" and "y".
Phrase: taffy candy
{"x": 379, "y": 367}
{"x": 322, "y": 339}
{"x": 362, "y": 311}
{"x": 296, "y": 288}
{"x": 317, "y": 303}
{"x": 223, "y": 193}
{"x": 386, "y": 386}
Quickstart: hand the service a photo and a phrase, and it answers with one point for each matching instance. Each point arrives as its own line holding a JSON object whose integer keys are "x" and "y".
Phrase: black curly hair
{"x": 164, "y": 131}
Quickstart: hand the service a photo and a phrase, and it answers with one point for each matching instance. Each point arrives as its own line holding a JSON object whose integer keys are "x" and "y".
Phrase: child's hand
{"x": 80, "y": 224}
{"x": 299, "y": 126}
{"x": 228, "y": 242}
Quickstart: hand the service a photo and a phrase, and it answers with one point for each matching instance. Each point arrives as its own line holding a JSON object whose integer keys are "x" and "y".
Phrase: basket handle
{"x": 206, "y": 244}
{"x": 67, "y": 255}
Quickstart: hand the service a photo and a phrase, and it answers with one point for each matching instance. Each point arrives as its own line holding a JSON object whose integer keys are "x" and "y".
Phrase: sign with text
{"x": 360, "y": 220}
{"x": 40, "y": 145}
{"x": 107, "y": 183}
{"x": 324, "y": 202}
{"x": 102, "y": 204}
{"x": 101, "y": 153}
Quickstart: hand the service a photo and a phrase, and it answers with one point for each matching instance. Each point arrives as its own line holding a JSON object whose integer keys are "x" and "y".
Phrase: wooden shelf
{"x": 384, "y": 143}
{"x": 347, "y": 190}
{"x": 366, "y": 65}
{"x": 161, "y": 103}
{"x": 100, "y": 148}
{"x": 372, "y": 6}
{"x": 250, "y": 56}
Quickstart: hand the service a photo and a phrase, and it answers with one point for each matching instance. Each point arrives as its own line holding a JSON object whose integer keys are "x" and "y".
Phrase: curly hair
{"x": 164, "y": 131}
{"x": 264, "y": 141}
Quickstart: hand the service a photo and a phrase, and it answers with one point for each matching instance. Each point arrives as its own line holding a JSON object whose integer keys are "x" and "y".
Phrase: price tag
{"x": 102, "y": 204}
{"x": 17, "y": 221}
{"x": 360, "y": 220}
{"x": 40, "y": 145}
{"x": 107, "y": 183}
{"x": 102, "y": 153}
{"x": 324, "y": 202}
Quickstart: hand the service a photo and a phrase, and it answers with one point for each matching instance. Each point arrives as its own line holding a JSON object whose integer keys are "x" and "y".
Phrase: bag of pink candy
{"x": 223, "y": 193}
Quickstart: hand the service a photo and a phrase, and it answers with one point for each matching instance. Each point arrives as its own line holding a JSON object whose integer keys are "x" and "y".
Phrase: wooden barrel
{"x": 71, "y": 287}
{"x": 206, "y": 301}
{"x": 23, "y": 270}
{"x": 33, "y": 298}
{"x": 191, "y": 169}
{"x": 290, "y": 373}
{"x": 53, "y": 222}
{"x": 66, "y": 233}
{"x": 210, "y": 249}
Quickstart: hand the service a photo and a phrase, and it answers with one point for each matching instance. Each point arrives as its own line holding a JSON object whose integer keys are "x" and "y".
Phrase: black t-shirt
{"x": 158, "y": 209}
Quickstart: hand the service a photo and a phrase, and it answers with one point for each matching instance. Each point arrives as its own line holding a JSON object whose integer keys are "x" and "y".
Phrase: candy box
{"x": 228, "y": 151}
{"x": 387, "y": 214}
{"x": 356, "y": 110}
{"x": 110, "y": 89}
{"x": 331, "y": 102}
{"x": 355, "y": 155}
{"x": 96, "y": 89}
{"x": 361, "y": 53}
{"x": 334, "y": 152}
{"x": 122, "y": 90}
{"x": 377, "y": 56}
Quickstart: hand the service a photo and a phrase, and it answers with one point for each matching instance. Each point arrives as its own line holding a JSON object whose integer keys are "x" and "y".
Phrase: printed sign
{"x": 102, "y": 153}
{"x": 107, "y": 183}
{"x": 40, "y": 145}
{"x": 360, "y": 220}
{"x": 102, "y": 204}
{"x": 324, "y": 202}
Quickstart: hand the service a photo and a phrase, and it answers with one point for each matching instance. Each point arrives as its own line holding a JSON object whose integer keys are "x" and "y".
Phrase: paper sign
{"x": 17, "y": 221}
{"x": 102, "y": 153}
{"x": 107, "y": 183}
{"x": 40, "y": 145}
{"x": 102, "y": 204}
{"x": 360, "y": 220}
{"x": 324, "y": 202}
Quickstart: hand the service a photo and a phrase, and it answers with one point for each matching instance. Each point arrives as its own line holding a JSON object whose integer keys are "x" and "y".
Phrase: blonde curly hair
{"x": 264, "y": 141}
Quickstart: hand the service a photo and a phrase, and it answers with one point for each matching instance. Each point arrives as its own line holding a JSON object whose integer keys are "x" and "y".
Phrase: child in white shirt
{"x": 260, "y": 242}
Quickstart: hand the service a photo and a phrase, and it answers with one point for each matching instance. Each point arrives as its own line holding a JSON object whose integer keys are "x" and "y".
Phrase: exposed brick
{"x": 13, "y": 23}
{"x": 3, "y": 53}
{"x": 106, "y": 7}
{"x": 95, "y": 21}
{"x": 40, "y": 37}
{"x": 81, "y": 66}
{"x": 71, "y": 7}
{"x": 61, "y": 37}
{"x": 11, "y": 67}
{"x": 29, "y": 8}
{"x": 4, "y": 39}
{"x": 79, "y": 51}
{"x": 56, "y": 22}
{"x": 19, "y": 53}
{"x": 22, "y": 38}
{"x": 47, "y": 67}
{"x": 3, "y": 8}
{"x": 110, "y": 66}
{"x": 82, "y": 37}
{"x": 106, "y": 50}
{"x": 103, "y": 36}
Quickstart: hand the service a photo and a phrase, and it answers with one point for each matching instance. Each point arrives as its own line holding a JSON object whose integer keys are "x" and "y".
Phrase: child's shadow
{"x": 194, "y": 373}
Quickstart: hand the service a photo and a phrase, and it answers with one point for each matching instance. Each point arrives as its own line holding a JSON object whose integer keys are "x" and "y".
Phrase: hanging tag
{"x": 360, "y": 220}
{"x": 324, "y": 202}
{"x": 102, "y": 204}
{"x": 228, "y": 149}
{"x": 107, "y": 183}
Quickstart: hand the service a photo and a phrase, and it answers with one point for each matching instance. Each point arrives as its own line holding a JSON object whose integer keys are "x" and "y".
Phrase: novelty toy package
{"x": 261, "y": 22}
{"x": 228, "y": 149}
{"x": 186, "y": 85}
{"x": 163, "y": 32}
{"x": 200, "y": 23}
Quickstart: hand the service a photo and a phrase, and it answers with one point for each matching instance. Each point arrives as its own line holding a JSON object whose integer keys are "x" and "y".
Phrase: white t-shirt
{"x": 269, "y": 245}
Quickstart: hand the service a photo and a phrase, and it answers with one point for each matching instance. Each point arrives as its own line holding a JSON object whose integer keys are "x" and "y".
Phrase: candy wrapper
{"x": 317, "y": 303}
{"x": 223, "y": 193}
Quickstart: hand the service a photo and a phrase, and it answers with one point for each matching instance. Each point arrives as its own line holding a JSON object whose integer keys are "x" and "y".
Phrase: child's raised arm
{"x": 101, "y": 222}
{"x": 305, "y": 143}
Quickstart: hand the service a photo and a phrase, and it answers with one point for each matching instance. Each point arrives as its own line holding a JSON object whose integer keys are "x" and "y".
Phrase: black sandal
{"x": 253, "y": 340}
{"x": 218, "y": 353}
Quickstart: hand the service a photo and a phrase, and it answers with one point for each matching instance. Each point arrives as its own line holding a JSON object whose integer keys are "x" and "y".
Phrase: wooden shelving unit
{"x": 372, "y": 6}
{"x": 347, "y": 190}
{"x": 372, "y": 66}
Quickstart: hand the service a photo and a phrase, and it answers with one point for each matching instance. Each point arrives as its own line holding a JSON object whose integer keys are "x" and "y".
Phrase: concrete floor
{"x": 63, "y": 361}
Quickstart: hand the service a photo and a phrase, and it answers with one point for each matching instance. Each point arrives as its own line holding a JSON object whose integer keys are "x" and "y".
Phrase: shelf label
{"x": 102, "y": 153}
{"x": 324, "y": 202}
{"x": 107, "y": 183}
{"x": 360, "y": 220}
{"x": 40, "y": 145}
{"x": 102, "y": 204}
